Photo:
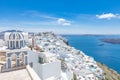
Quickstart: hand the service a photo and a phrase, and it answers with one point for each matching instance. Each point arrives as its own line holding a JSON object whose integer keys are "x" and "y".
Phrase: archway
{"x": 13, "y": 60}
{"x": 22, "y": 56}
{"x": 2, "y": 57}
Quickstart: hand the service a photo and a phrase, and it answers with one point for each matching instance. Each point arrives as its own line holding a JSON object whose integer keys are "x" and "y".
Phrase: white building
{"x": 15, "y": 52}
{"x": 48, "y": 67}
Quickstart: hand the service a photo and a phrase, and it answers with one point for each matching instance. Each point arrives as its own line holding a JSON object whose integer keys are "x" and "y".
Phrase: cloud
{"x": 108, "y": 16}
{"x": 63, "y": 22}
{"x": 37, "y": 14}
{"x": 46, "y": 18}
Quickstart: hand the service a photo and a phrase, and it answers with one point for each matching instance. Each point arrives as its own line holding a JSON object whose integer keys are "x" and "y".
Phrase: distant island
{"x": 111, "y": 40}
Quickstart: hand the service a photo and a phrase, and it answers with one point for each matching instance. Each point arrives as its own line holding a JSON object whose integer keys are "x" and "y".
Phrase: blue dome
{"x": 15, "y": 40}
{"x": 16, "y": 36}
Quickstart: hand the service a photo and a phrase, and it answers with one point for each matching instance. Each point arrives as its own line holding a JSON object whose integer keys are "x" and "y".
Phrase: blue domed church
{"x": 15, "y": 40}
{"x": 16, "y": 54}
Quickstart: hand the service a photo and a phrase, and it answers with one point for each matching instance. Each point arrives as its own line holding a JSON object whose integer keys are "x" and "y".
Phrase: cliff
{"x": 109, "y": 74}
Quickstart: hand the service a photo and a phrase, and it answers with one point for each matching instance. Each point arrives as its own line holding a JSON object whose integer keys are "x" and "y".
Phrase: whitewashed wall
{"x": 32, "y": 73}
{"x": 48, "y": 70}
{"x": 32, "y": 57}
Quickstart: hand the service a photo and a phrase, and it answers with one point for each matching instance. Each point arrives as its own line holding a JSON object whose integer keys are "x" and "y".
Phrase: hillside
{"x": 109, "y": 74}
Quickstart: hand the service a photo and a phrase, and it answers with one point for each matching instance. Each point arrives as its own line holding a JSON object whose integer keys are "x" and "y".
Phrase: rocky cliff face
{"x": 109, "y": 74}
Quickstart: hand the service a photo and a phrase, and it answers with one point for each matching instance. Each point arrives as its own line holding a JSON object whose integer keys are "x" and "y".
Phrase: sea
{"x": 91, "y": 45}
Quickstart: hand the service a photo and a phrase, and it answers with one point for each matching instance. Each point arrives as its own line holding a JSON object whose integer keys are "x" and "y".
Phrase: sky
{"x": 61, "y": 16}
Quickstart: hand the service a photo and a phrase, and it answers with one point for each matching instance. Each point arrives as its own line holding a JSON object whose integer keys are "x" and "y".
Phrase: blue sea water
{"x": 109, "y": 54}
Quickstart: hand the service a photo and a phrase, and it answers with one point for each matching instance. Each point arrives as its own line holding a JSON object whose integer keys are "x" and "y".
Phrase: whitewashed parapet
{"x": 32, "y": 73}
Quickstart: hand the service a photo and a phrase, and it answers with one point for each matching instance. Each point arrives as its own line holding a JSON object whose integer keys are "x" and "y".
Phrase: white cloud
{"x": 49, "y": 19}
{"x": 63, "y": 22}
{"x": 108, "y": 16}
{"x": 33, "y": 13}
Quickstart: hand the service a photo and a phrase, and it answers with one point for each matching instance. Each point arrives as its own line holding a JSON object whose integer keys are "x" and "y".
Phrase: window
{"x": 40, "y": 60}
{"x": 8, "y": 44}
{"x": 21, "y": 43}
{"x": 11, "y": 44}
{"x": 17, "y": 44}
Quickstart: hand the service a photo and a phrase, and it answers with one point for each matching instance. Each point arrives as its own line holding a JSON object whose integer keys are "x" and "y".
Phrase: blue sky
{"x": 61, "y": 16}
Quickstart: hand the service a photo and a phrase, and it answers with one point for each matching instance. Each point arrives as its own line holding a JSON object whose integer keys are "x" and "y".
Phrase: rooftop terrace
{"x": 15, "y": 75}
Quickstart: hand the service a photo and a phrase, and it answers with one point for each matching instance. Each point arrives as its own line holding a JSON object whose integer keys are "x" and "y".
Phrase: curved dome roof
{"x": 16, "y": 36}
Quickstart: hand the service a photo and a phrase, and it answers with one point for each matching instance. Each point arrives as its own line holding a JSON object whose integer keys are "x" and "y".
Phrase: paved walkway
{"x": 15, "y": 75}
